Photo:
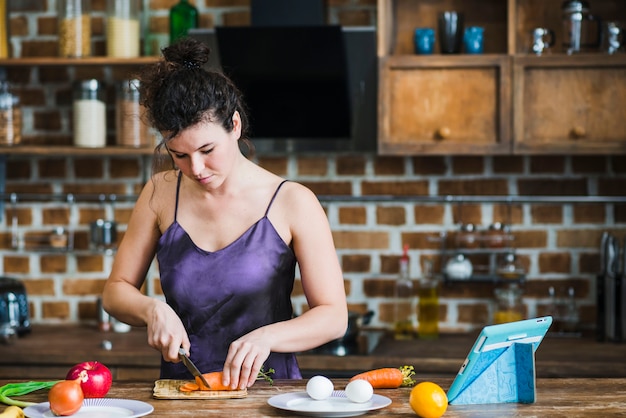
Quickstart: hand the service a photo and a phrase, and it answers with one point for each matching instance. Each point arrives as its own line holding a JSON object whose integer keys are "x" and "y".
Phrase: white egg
{"x": 359, "y": 391}
{"x": 319, "y": 387}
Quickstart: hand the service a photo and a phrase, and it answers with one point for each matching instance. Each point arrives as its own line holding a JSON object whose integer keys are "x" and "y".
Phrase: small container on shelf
{"x": 468, "y": 237}
{"x": 131, "y": 131}
{"x": 89, "y": 114}
{"x": 58, "y": 238}
{"x": 459, "y": 267}
{"x": 510, "y": 268}
{"x": 497, "y": 236}
{"x": 122, "y": 28}
{"x": 74, "y": 28}
{"x": 10, "y": 116}
{"x": 509, "y": 306}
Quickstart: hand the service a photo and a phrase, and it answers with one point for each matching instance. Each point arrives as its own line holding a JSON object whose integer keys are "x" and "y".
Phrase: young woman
{"x": 227, "y": 235}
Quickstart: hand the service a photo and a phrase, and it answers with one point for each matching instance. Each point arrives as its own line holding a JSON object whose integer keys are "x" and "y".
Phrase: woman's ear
{"x": 237, "y": 125}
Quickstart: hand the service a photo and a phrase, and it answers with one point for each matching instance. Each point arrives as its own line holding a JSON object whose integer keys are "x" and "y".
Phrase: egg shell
{"x": 319, "y": 387}
{"x": 359, "y": 391}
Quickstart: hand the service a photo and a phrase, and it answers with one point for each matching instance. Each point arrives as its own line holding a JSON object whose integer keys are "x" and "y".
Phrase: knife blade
{"x": 191, "y": 367}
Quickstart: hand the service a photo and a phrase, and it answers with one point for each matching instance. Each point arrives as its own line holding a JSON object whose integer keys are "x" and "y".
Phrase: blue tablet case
{"x": 502, "y": 375}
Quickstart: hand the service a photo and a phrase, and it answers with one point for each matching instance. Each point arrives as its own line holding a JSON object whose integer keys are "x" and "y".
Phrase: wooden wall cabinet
{"x": 505, "y": 100}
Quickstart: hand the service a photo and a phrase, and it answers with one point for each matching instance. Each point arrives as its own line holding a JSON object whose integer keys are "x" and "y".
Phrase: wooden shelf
{"x": 57, "y": 61}
{"x": 71, "y": 150}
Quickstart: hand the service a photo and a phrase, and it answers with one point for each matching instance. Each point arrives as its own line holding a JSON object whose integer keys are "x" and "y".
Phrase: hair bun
{"x": 188, "y": 53}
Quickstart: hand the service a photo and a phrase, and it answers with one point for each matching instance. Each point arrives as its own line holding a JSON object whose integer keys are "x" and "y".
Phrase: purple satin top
{"x": 222, "y": 295}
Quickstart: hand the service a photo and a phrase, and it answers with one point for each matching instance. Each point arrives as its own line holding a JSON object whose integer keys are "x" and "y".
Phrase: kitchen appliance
{"x": 103, "y": 234}
{"x": 349, "y": 343}
{"x": 581, "y": 30}
{"x": 14, "y": 315}
{"x": 611, "y": 291}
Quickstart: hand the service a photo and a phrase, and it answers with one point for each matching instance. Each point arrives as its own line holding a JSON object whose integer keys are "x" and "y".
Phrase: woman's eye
{"x": 179, "y": 156}
{"x": 207, "y": 151}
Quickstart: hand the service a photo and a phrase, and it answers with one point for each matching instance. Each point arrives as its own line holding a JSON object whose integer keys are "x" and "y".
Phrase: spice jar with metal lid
{"x": 123, "y": 28}
{"x": 10, "y": 116}
{"x": 74, "y": 28}
{"x": 89, "y": 114}
{"x": 130, "y": 128}
{"x": 497, "y": 236}
{"x": 468, "y": 236}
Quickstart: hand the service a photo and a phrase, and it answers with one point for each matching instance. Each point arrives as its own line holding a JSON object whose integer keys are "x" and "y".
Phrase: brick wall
{"x": 558, "y": 243}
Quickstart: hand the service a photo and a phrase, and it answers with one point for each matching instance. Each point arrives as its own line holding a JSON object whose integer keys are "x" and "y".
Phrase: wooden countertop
{"x": 555, "y": 397}
{"x": 48, "y": 352}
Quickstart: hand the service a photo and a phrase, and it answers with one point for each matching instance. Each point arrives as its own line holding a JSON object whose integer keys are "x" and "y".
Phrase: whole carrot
{"x": 388, "y": 377}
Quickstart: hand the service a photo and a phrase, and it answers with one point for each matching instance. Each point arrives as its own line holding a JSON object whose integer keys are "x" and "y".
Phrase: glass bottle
{"x": 89, "y": 114}
{"x": 183, "y": 16}
{"x": 404, "y": 300}
{"x": 509, "y": 306}
{"x": 74, "y": 28}
{"x": 130, "y": 129}
{"x": 4, "y": 30}
{"x": 428, "y": 305}
{"x": 10, "y": 116}
{"x": 123, "y": 28}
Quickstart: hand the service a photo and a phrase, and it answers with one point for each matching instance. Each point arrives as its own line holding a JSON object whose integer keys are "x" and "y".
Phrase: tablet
{"x": 499, "y": 337}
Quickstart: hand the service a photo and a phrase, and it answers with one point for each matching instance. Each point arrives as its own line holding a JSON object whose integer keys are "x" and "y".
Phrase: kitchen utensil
{"x": 191, "y": 367}
{"x": 168, "y": 389}
{"x": 613, "y": 37}
{"x": 14, "y": 315}
{"x": 581, "y": 30}
{"x": 459, "y": 268}
{"x": 450, "y": 32}
{"x": 542, "y": 40}
{"x": 348, "y": 344}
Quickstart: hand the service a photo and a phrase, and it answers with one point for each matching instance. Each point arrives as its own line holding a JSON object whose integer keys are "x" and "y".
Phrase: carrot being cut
{"x": 189, "y": 387}
{"x": 388, "y": 377}
{"x": 214, "y": 379}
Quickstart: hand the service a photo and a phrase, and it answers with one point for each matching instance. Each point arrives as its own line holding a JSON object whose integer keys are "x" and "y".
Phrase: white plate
{"x": 337, "y": 405}
{"x": 96, "y": 408}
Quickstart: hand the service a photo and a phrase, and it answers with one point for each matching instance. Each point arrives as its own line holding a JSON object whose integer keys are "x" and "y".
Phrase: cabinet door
{"x": 570, "y": 104}
{"x": 441, "y": 105}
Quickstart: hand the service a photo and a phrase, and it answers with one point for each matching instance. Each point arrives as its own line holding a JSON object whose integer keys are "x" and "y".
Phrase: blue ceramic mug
{"x": 424, "y": 40}
{"x": 473, "y": 39}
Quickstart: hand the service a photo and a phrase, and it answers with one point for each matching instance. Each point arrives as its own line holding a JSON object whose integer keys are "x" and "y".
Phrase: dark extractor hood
{"x": 309, "y": 86}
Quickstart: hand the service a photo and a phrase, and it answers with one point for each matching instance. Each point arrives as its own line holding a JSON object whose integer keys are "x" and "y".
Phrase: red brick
{"x": 56, "y": 263}
{"x": 468, "y": 165}
{"x": 578, "y": 238}
{"x": 39, "y": 287}
{"x": 588, "y": 213}
{"x": 478, "y": 187}
{"x": 17, "y": 169}
{"x": 330, "y": 187}
{"x": 477, "y": 314}
{"x": 552, "y": 187}
{"x": 361, "y": 240}
{"x": 546, "y": 214}
{"x": 554, "y": 262}
{"x": 353, "y": 215}
{"x": 356, "y": 263}
{"x": 352, "y": 165}
{"x": 405, "y": 188}
{"x": 389, "y": 166}
{"x": 55, "y": 216}
{"x": 276, "y": 165}
{"x": 547, "y": 164}
{"x": 508, "y": 213}
{"x": 589, "y": 263}
{"x": 124, "y": 168}
{"x": 55, "y": 310}
{"x": 530, "y": 239}
{"x": 379, "y": 287}
{"x": 82, "y": 287}
{"x": 429, "y": 165}
{"x": 589, "y": 164}
{"x": 390, "y": 215}
{"x": 88, "y": 215}
{"x": 312, "y": 166}
{"x": 52, "y": 168}
{"x": 508, "y": 164}
{"x": 16, "y": 264}
{"x": 611, "y": 186}
{"x": 429, "y": 214}
{"x": 89, "y": 263}
{"x": 47, "y": 120}
{"x": 467, "y": 213}
{"x": 422, "y": 240}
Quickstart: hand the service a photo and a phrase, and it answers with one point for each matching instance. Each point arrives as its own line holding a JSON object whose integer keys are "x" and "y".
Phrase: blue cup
{"x": 424, "y": 40}
{"x": 473, "y": 39}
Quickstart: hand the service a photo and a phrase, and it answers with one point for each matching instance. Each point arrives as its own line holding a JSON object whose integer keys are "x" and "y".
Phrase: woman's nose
{"x": 197, "y": 164}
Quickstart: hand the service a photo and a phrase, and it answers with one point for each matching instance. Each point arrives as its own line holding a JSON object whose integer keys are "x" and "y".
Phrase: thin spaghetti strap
{"x": 274, "y": 197}
{"x": 180, "y": 176}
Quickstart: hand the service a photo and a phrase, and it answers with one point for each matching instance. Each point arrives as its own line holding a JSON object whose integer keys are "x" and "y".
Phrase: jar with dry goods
{"x": 74, "y": 28}
{"x": 89, "y": 114}
{"x": 497, "y": 236}
{"x": 123, "y": 28}
{"x": 130, "y": 128}
{"x": 468, "y": 236}
{"x": 10, "y": 116}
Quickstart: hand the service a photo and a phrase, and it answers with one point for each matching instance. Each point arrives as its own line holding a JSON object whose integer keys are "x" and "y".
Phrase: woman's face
{"x": 205, "y": 152}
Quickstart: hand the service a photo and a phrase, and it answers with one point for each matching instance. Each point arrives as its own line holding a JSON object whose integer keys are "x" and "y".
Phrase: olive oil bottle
{"x": 404, "y": 307}
{"x": 428, "y": 305}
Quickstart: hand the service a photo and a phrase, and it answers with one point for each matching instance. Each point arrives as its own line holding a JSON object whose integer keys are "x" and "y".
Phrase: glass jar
{"x": 89, "y": 114}
{"x": 130, "y": 130}
{"x": 509, "y": 306}
{"x": 459, "y": 268}
{"x": 468, "y": 237}
{"x": 10, "y": 117}
{"x": 497, "y": 236}
{"x": 123, "y": 28}
{"x": 74, "y": 28}
{"x": 510, "y": 268}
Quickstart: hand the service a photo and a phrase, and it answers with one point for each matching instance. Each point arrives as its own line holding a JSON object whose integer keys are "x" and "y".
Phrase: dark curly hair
{"x": 177, "y": 92}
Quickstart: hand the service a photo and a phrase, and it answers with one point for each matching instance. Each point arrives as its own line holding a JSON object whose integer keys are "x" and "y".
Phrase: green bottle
{"x": 183, "y": 16}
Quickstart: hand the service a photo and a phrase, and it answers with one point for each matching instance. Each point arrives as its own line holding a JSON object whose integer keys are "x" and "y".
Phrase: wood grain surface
{"x": 168, "y": 389}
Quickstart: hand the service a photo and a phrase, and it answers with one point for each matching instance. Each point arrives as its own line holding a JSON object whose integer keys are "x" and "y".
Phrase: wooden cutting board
{"x": 168, "y": 389}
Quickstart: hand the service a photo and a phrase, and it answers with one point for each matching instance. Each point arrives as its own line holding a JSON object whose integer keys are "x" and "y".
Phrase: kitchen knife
{"x": 191, "y": 367}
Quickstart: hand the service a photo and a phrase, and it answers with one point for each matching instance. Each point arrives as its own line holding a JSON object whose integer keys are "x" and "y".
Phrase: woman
{"x": 227, "y": 235}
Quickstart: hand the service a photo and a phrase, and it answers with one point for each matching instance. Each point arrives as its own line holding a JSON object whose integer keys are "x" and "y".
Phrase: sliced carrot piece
{"x": 189, "y": 387}
{"x": 214, "y": 379}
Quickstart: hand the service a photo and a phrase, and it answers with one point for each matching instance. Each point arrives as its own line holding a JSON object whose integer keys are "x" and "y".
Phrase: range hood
{"x": 309, "y": 86}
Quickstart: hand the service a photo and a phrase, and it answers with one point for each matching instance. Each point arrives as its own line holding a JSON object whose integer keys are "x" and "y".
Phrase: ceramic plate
{"x": 337, "y": 405}
{"x": 96, "y": 408}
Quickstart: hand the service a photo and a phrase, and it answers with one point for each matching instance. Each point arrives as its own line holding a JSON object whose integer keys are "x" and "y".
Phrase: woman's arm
{"x": 122, "y": 297}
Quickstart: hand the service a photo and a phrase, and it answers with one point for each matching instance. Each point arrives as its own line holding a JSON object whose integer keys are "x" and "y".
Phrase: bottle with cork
{"x": 404, "y": 303}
